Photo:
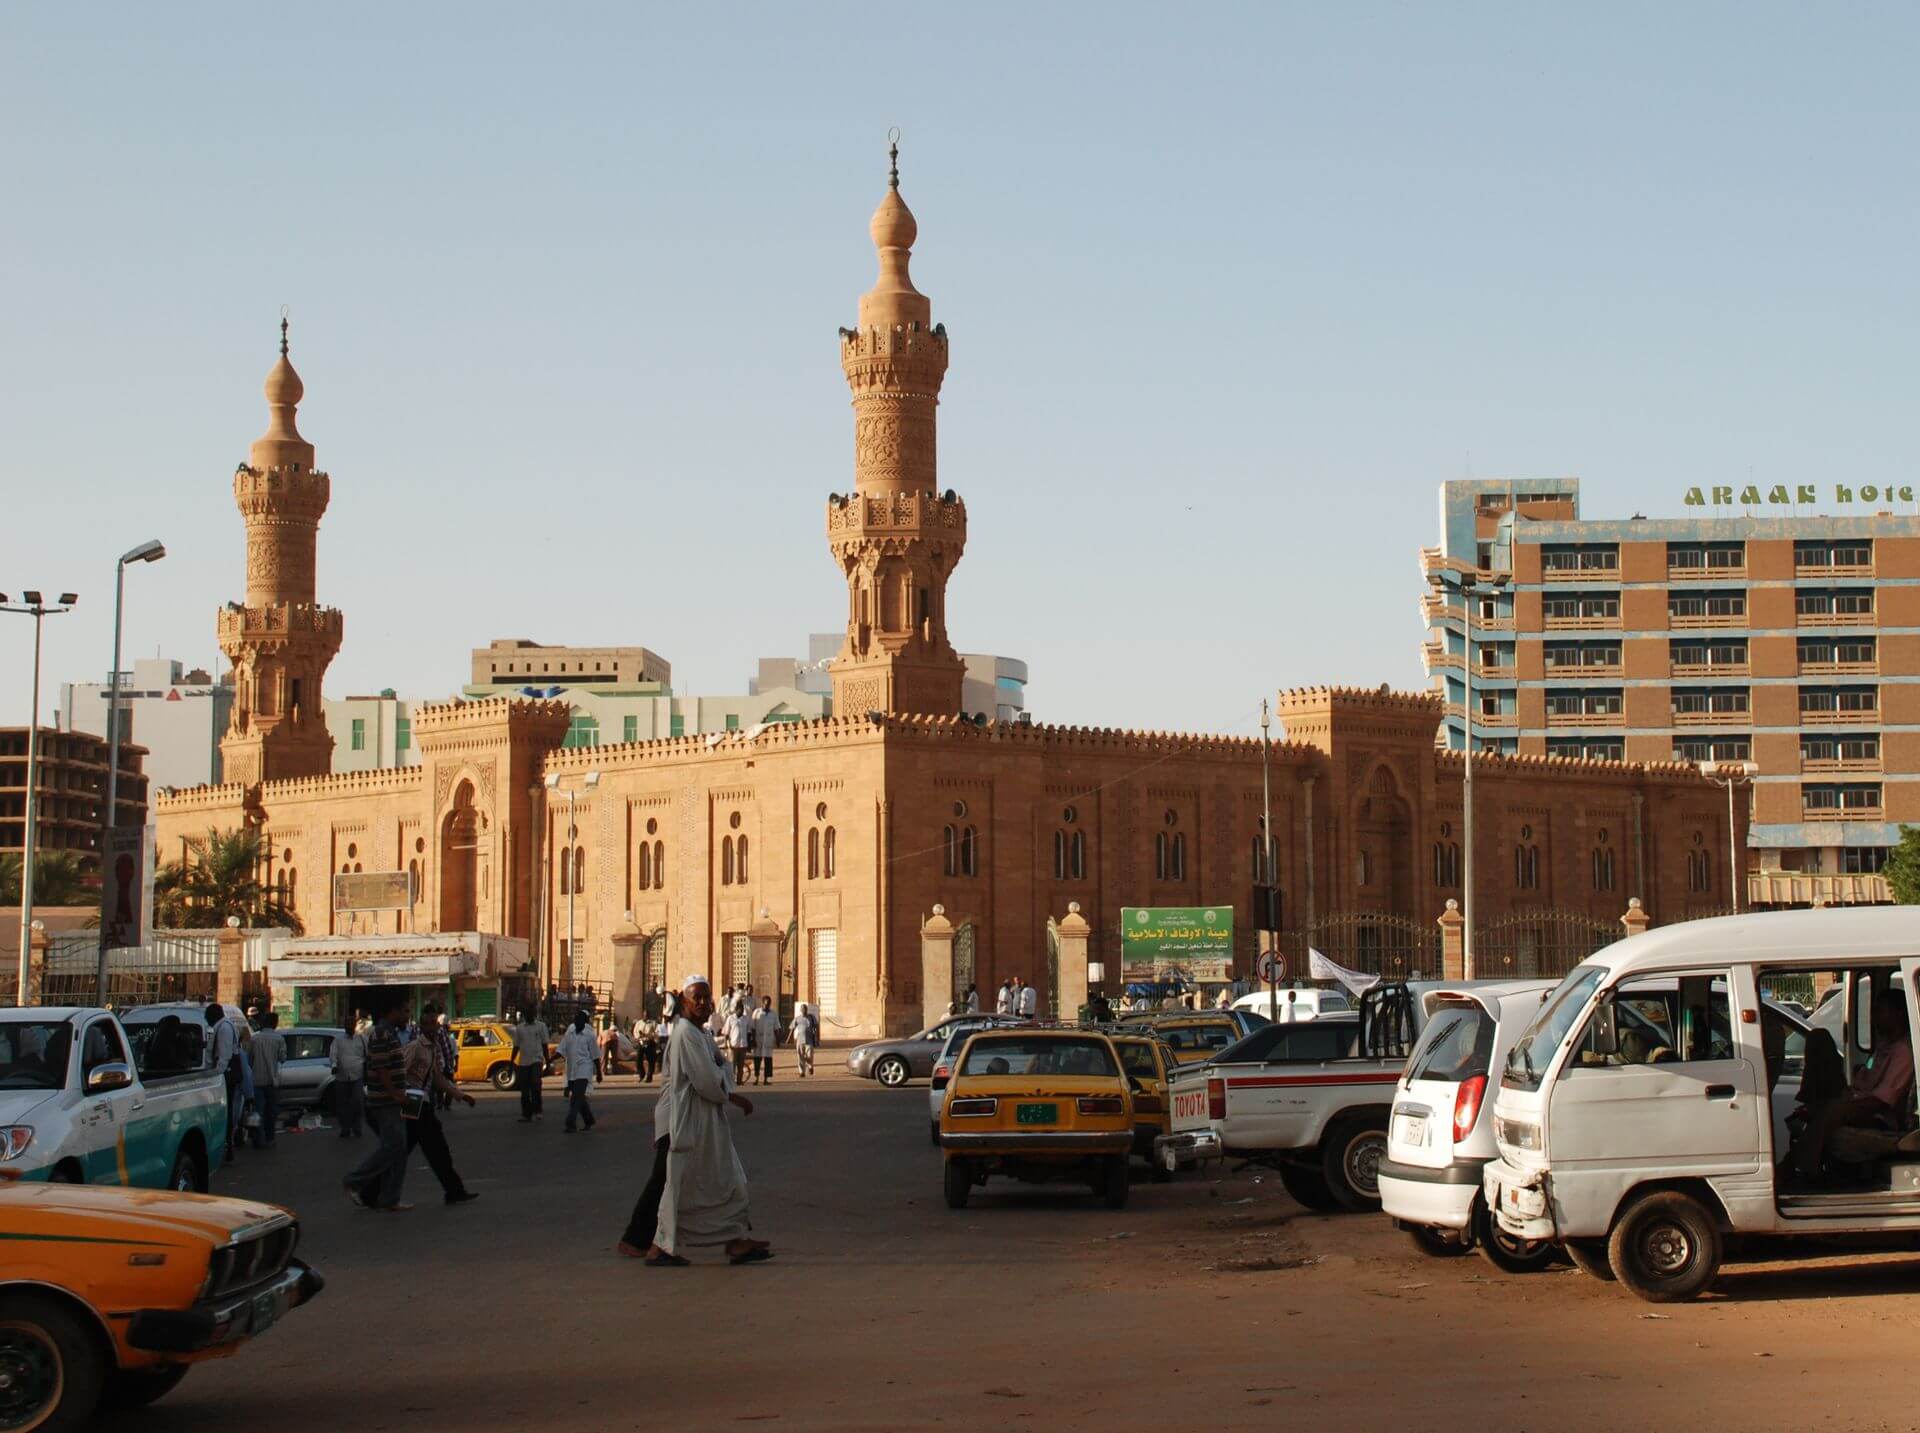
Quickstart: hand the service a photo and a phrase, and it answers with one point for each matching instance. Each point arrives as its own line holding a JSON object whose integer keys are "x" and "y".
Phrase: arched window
{"x": 646, "y": 866}
{"x": 826, "y": 854}
{"x": 950, "y": 863}
{"x": 1077, "y": 865}
{"x": 1363, "y": 868}
{"x": 1602, "y": 868}
{"x": 1160, "y": 856}
{"x": 1440, "y": 863}
{"x": 726, "y": 860}
{"x": 659, "y": 865}
{"x": 741, "y": 863}
{"x": 580, "y": 868}
{"x": 969, "y": 852}
{"x": 1526, "y": 867}
{"x": 813, "y": 854}
{"x": 1059, "y": 855}
{"x": 1177, "y": 864}
{"x": 566, "y": 874}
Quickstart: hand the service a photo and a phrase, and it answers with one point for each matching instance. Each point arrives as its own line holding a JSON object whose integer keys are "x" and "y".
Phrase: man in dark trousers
{"x": 425, "y": 1132}
{"x": 384, "y": 1170}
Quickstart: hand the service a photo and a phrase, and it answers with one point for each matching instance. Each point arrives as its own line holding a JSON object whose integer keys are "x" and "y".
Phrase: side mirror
{"x": 1606, "y": 1034}
{"x": 115, "y": 1075}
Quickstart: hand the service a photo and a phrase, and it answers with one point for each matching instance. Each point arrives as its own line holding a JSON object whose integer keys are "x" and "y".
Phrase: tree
{"x": 1903, "y": 867}
{"x": 59, "y": 879}
{"x": 219, "y": 878}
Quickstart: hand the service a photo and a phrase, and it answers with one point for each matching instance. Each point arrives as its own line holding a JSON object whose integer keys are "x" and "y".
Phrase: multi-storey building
{"x": 1792, "y": 643}
{"x": 992, "y": 689}
{"x": 70, "y": 778}
{"x": 178, "y": 715}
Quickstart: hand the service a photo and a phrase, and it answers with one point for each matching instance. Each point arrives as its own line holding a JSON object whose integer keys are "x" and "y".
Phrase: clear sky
{"x": 1230, "y": 291}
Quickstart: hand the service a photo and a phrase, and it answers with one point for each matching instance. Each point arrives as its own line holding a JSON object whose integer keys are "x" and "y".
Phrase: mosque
{"x": 878, "y": 862}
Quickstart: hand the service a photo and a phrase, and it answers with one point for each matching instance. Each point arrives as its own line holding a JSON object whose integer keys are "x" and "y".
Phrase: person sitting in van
{"x": 1880, "y": 1093}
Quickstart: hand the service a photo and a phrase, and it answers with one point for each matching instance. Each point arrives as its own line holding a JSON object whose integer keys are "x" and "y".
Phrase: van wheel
{"x": 136, "y": 1388}
{"x": 1436, "y": 1243}
{"x": 959, "y": 1182}
{"x": 51, "y": 1366}
{"x": 1666, "y": 1247}
{"x": 1307, "y": 1188}
{"x": 1113, "y": 1188}
{"x": 189, "y": 1173}
{"x": 1506, "y": 1253}
{"x": 1350, "y": 1162}
{"x": 1589, "y": 1256}
{"x": 501, "y": 1077}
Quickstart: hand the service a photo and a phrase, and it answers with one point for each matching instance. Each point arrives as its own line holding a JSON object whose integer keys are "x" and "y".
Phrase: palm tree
{"x": 219, "y": 878}
{"x": 59, "y": 879}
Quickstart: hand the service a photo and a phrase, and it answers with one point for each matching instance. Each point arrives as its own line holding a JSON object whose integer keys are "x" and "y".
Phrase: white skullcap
{"x": 695, "y": 979}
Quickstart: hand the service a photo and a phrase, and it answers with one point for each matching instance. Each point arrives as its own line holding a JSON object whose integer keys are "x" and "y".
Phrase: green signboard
{"x": 1192, "y": 944}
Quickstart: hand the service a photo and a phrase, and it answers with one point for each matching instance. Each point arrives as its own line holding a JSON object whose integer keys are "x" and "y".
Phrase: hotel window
{"x": 583, "y": 731}
{"x": 402, "y": 733}
{"x": 359, "y": 734}
{"x": 1601, "y": 703}
{"x": 1594, "y": 560}
{"x": 629, "y": 727}
{"x": 1710, "y": 699}
{"x": 733, "y": 721}
{"x": 1724, "y": 748}
{"x": 1863, "y": 860}
{"x": 1586, "y": 748}
{"x": 1863, "y": 747}
{"x": 1850, "y": 552}
{"x": 1587, "y": 605}
{"x": 1861, "y": 797}
{"x": 1849, "y": 603}
{"x": 1839, "y": 699}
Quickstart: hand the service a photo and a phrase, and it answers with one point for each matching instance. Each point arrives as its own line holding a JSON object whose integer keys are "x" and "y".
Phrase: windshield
{"x": 33, "y": 1054}
{"x": 1532, "y": 1051}
{"x": 1137, "y": 1056}
{"x": 1457, "y": 1046}
{"x": 1017, "y": 1055}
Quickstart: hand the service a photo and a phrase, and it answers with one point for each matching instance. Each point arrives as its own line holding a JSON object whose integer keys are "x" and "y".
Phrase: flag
{"x": 1319, "y": 967}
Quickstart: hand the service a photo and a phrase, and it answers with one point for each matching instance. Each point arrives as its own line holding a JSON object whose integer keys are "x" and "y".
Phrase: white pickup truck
{"x": 1311, "y": 1099}
{"x": 74, "y": 1107}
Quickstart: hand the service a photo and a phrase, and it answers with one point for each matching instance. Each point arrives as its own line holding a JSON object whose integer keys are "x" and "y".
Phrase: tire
{"x": 1589, "y": 1256}
{"x": 892, "y": 1072}
{"x": 1307, "y": 1188}
{"x": 1666, "y": 1247}
{"x": 54, "y": 1366}
{"x": 137, "y": 1387}
{"x": 189, "y": 1174}
{"x": 1117, "y": 1178}
{"x": 1350, "y": 1162}
{"x": 1506, "y": 1253}
{"x": 501, "y": 1077}
{"x": 1435, "y": 1244}
{"x": 959, "y": 1182}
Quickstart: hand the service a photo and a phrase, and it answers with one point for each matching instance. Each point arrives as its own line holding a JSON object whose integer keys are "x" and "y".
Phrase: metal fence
{"x": 1530, "y": 944}
{"x": 1371, "y": 942}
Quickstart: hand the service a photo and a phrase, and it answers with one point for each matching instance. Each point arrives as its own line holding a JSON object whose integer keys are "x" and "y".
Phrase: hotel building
{"x": 1792, "y": 642}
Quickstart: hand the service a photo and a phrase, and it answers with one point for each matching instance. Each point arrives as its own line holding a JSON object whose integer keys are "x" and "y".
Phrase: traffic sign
{"x": 1273, "y": 967}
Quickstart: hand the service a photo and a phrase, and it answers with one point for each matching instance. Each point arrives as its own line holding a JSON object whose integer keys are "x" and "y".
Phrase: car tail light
{"x": 1466, "y": 1105}
{"x": 1102, "y": 1105}
{"x": 940, "y": 1073}
{"x": 960, "y": 1109}
{"x": 1216, "y": 1099}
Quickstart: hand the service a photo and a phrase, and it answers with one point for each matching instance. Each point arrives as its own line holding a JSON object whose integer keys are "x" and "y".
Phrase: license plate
{"x": 1036, "y": 1114}
{"x": 266, "y": 1308}
{"x": 1413, "y": 1129}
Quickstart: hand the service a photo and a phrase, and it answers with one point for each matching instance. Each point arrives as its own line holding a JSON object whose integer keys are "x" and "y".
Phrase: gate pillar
{"x": 936, "y": 967}
{"x": 1453, "y": 942}
{"x": 1635, "y": 920}
{"x": 230, "y": 978}
{"x": 1075, "y": 935}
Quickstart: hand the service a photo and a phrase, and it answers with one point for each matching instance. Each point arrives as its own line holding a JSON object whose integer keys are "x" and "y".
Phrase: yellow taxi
{"x": 1196, "y": 1035}
{"x": 1148, "y": 1062}
{"x": 484, "y": 1051}
{"x": 1038, "y": 1104}
{"x": 109, "y": 1295}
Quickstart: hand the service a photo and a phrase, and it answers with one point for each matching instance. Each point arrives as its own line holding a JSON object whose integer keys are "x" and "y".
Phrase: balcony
{"x": 1693, "y": 621}
{"x": 1583, "y": 624}
{"x": 1839, "y": 765}
{"x": 1573, "y": 671}
{"x": 1707, "y": 669}
{"x": 1433, "y": 562}
{"x": 1484, "y": 721}
{"x": 1839, "y": 669}
{"x": 1851, "y": 717}
{"x": 1801, "y": 888}
{"x": 1584, "y": 719}
{"x": 1713, "y": 718}
{"x": 1842, "y": 813}
{"x": 1438, "y": 657}
{"x": 1821, "y": 573}
{"x": 1833, "y": 619}
{"x": 1601, "y": 575}
{"x": 1706, "y": 574}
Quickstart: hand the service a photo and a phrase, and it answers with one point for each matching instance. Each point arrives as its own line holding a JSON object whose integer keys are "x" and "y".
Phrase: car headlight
{"x": 14, "y": 1140}
{"x": 1518, "y": 1134}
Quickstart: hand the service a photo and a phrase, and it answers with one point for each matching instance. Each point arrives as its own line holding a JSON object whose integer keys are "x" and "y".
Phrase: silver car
{"x": 306, "y": 1074}
{"x": 911, "y": 1057}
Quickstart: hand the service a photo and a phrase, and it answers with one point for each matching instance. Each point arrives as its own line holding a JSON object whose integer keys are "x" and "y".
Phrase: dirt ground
{"x": 1211, "y": 1302}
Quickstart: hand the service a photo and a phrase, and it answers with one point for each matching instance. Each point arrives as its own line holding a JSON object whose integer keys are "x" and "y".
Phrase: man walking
{"x": 1003, "y": 1002}
{"x": 226, "y": 1048}
{"x": 266, "y": 1052}
{"x": 384, "y": 1170}
{"x": 804, "y": 1037}
{"x": 582, "y": 1054}
{"x": 766, "y": 1035}
{"x": 426, "y": 1072}
{"x": 446, "y": 1059}
{"x": 349, "y": 1059}
{"x": 637, "y": 1241}
{"x": 1029, "y": 1001}
{"x": 704, "y": 1202}
{"x": 739, "y": 1032}
{"x": 529, "y": 1062}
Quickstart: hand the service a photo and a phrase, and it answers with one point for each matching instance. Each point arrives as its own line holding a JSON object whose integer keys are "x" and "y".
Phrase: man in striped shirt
{"x": 383, "y": 1170}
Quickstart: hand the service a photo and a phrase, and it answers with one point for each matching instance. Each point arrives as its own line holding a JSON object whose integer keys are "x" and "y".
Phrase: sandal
{"x": 661, "y": 1259}
{"x": 751, "y": 1256}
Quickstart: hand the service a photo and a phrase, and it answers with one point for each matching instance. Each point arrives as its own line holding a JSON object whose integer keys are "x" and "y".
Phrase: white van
{"x": 1295, "y": 1003}
{"x": 1658, "y": 1102}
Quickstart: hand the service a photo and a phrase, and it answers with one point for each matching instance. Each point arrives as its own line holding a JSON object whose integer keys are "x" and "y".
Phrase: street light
{"x": 33, "y": 605}
{"x": 1470, "y": 589}
{"x": 1737, "y": 773}
{"x": 149, "y": 551}
{"x": 590, "y": 780}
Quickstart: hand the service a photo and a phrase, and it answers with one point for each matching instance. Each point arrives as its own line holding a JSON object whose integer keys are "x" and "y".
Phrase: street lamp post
{"x": 1469, "y": 590}
{"x": 1266, "y": 857}
{"x": 150, "y": 551}
{"x": 33, "y": 605}
{"x": 1736, "y": 773}
{"x": 591, "y": 780}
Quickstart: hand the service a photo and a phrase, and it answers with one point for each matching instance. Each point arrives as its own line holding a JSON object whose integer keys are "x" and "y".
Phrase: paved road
{"x": 1206, "y": 1303}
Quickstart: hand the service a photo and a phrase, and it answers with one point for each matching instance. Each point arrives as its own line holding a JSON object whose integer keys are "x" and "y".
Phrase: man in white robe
{"x": 705, "y": 1199}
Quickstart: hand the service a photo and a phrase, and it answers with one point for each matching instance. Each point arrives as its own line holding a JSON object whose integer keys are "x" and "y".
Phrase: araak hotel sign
{"x": 1799, "y": 495}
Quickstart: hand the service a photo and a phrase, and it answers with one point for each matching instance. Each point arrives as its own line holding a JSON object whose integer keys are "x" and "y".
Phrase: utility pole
{"x": 1469, "y": 590}
{"x": 1267, "y": 862}
{"x": 1737, "y": 773}
{"x": 151, "y": 551}
{"x": 32, "y": 605}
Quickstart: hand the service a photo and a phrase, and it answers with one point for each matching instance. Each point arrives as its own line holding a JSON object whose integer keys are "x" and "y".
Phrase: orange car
{"x": 108, "y": 1296}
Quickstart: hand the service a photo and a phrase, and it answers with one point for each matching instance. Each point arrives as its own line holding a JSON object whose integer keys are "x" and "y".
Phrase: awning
{"x": 373, "y": 970}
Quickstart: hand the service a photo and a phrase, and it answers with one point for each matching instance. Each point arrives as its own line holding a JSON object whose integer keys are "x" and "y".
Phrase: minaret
{"x": 896, "y": 537}
{"x": 281, "y": 641}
